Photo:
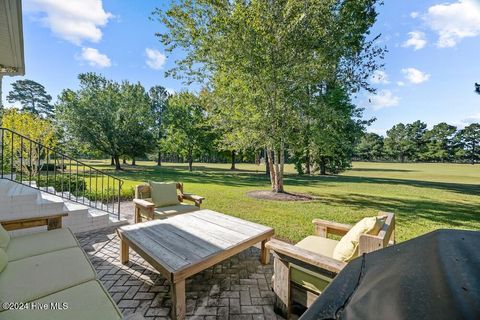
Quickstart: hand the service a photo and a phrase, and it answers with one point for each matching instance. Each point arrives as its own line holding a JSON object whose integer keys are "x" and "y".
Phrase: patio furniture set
{"x": 179, "y": 241}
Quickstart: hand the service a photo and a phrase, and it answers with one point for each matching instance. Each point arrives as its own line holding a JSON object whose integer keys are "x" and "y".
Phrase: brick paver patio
{"x": 238, "y": 288}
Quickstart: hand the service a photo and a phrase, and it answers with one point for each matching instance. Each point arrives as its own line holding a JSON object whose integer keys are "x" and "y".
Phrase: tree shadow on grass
{"x": 462, "y": 188}
{"x": 261, "y": 180}
{"x": 409, "y": 210}
{"x": 380, "y": 170}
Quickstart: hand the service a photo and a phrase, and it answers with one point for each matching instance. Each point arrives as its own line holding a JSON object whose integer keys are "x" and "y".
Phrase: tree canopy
{"x": 32, "y": 96}
{"x": 112, "y": 117}
{"x": 185, "y": 126}
{"x": 263, "y": 61}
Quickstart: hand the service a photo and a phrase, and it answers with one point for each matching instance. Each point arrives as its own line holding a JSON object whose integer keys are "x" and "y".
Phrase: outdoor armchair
{"x": 161, "y": 200}
{"x": 303, "y": 271}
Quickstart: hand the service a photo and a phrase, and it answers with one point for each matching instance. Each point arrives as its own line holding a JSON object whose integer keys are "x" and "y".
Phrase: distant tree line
{"x": 414, "y": 142}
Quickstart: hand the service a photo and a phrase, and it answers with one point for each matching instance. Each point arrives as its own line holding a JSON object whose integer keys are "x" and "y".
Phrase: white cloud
{"x": 400, "y": 83}
{"x": 378, "y": 131}
{"x": 155, "y": 59}
{"x": 72, "y": 20}
{"x": 416, "y": 40}
{"x": 474, "y": 118}
{"x": 415, "y": 76}
{"x": 414, "y": 14}
{"x": 383, "y": 99}
{"x": 171, "y": 91}
{"x": 379, "y": 77}
{"x": 454, "y": 21}
{"x": 94, "y": 58}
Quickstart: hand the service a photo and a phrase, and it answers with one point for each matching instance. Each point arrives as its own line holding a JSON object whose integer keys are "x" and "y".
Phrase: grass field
{"x": 424, "y": 197}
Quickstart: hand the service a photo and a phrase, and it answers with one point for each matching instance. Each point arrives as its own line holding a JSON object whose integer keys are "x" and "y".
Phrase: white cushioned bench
{"x": 50, "y": 267}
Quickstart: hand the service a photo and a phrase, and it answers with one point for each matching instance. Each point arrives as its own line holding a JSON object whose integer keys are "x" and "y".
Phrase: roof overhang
{"x": 12, "y": 61}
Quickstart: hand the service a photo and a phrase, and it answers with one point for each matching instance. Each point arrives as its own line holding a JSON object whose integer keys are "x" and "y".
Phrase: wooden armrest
{"x": 305, "y": 256}
{"x": 144, "y": 203}
{"x": 193, "y": 197}
{"x": 324, "y": 227}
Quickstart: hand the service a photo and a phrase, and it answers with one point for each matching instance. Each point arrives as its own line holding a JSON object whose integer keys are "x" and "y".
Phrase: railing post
{"x": 3, "y": 146}
{"x": 33, "y": 146}
{"x": 119, "y": 194}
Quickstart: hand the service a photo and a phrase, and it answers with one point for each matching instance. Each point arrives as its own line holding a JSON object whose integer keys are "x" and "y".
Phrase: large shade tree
{"x": 469, "y": 140}
{"x": 159, "y": 99}
{"x": 32, "y": 96}
{"x": 186, "y": 126}
{"x": 114, "y": 118}
{"x": 440, "y": 142}
{"x": 263, "y": 59}
{"x": 370, "y": 147}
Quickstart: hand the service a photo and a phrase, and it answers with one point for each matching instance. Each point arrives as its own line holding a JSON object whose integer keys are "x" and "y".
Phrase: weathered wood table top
{"x": 183, "y": 245}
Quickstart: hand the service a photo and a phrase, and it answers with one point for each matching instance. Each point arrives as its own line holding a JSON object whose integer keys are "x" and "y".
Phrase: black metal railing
{"x": 30, "y": 163}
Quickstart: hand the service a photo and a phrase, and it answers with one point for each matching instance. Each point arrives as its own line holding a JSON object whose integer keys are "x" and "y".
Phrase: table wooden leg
{"x": 178, "y": 300}
{"x": 123, "y": 251}
{"x": 54, "y": 223}
{"x": 264, "y": 253}
{"x": 137, "y": 215}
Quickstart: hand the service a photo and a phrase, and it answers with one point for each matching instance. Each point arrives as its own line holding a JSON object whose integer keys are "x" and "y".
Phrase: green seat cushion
{"x": 319, "y": 245}
{"x": 38, "y": 243}
{"x": 4, "y": 237}
{"x": 35, "y": 277}
{"x": 162, "y": 213}
{"x": 164, "y": 194}
{"x": 88, "y": 300}
{"x": 309, "y": 279}
{"x": 3, "y": 259}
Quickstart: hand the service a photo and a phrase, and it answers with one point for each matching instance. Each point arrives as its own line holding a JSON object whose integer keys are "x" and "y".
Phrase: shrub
{"x": 62, "y": 183}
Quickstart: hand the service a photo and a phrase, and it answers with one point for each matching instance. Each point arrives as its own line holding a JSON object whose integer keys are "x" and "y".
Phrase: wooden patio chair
{"x": 145, "y": 208}
{"x": 302, "y": 271}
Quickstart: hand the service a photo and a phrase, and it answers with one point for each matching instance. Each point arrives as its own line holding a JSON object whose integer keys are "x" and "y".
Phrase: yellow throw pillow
{"x": 3, "y": 260}
{"x": 164, "y": 194}
{"x": 347, "y": 247}
{"x": 4, "y": 238}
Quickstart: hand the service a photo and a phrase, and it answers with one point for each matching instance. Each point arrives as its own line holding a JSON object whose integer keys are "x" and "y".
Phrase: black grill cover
{"x": 434, "y": 276}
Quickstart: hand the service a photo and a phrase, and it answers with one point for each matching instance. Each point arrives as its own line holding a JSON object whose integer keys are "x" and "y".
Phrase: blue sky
{"x": 429, "y": 72}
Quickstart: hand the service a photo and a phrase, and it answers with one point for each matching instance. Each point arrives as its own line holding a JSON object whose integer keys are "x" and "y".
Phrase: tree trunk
{"x": 307, "y": 163}
{"x": 323, "y": 166}
{"x": 124, "y": 160}
{"x": 267, "y": 166}
{"x": 112, "y": 161}
{"x": 276, "y": 163}
{"x": 190, "y": 160}
{"x": 232, "y": 167}
{"x": 117, "y": 163}
{"x": 133, "y": 161}
{"x": 282, "y": 167}
{"x": 271, "y": 169}
{"x": 159, "y": 158}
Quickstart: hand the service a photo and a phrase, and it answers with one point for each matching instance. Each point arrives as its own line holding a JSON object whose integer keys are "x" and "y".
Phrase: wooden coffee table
{"x": 183, "y": 245}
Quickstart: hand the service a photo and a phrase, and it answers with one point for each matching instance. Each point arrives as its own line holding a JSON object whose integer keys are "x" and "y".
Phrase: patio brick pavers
{"x": 238, "y": 288}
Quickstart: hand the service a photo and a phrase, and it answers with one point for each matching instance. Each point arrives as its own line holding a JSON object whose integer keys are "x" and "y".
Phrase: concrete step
{"x": 17, "y": 193}
{"x": 18, "y": 201}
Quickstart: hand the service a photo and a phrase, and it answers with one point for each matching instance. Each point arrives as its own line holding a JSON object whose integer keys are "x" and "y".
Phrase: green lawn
{"x": 424, "y": 197}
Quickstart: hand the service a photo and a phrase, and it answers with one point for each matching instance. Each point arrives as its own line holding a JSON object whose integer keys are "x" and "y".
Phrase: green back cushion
{"x": 164, "y": 194}
{"x": 3, "y": 260}
{"x": 4, "y": 238}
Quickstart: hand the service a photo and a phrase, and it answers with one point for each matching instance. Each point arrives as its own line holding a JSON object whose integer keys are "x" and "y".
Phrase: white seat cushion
{"x": 38, "y": 243}
{"x": 35, "y": 277}
{"x": 88, "y": 300}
